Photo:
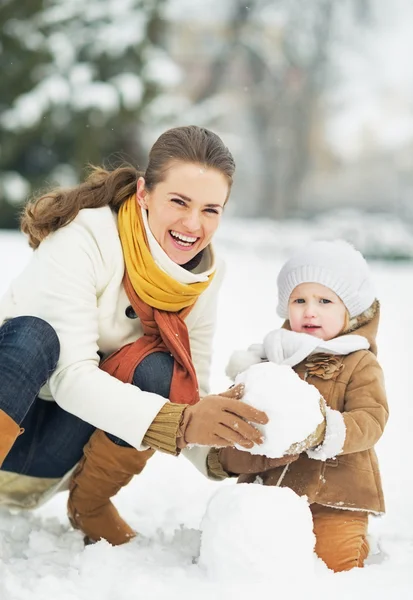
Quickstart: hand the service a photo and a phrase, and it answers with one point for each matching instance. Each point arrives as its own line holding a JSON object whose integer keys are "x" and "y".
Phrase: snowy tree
{"x": 77, "y": 81}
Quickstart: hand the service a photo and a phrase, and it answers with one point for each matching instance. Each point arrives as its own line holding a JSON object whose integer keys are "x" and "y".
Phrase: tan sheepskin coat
{"x": 354, "y": 386}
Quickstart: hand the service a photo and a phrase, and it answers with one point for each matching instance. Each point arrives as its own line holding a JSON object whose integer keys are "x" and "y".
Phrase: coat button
{"x": 130, "y": 313}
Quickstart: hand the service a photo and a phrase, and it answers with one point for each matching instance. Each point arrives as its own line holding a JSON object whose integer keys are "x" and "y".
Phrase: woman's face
{"x": 315, "y": 309}
{"x": 184, "y": 209}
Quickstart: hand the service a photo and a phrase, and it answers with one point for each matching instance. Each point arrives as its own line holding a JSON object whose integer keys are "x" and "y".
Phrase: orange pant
{"x": 341, "y": 540}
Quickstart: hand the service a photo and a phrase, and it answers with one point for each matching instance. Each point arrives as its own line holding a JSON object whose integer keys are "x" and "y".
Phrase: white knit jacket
{"x": 74, "y": 282}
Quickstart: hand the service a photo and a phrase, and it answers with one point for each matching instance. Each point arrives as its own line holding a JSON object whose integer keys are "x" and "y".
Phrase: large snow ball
{"x": 292, "y": 406}
{"x": 251, "y": 529}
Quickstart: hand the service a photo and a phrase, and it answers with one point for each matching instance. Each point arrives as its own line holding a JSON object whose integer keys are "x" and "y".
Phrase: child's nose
{"x": 310, "y": 310}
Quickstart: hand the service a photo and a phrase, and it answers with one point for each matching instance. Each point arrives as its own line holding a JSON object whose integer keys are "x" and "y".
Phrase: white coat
{"x": 74, "y": 282}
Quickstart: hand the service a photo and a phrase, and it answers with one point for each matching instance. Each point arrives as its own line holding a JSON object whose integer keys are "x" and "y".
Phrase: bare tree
{"x": 280, "y": 52}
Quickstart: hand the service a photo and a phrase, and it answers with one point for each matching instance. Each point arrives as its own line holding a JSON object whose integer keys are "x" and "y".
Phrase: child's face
{"x": 315, "y": 309}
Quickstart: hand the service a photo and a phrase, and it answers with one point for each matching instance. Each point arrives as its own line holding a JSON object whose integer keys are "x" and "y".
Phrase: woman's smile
{"x": 183, "y": 242}
{"x": 185, "y": 209}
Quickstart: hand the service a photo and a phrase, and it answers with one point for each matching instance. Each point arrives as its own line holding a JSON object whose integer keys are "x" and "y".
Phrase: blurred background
{"x": 315, "y": 100}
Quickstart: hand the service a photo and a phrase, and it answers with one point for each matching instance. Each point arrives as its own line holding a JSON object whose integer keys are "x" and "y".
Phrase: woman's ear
{"x": 141, "y": 193}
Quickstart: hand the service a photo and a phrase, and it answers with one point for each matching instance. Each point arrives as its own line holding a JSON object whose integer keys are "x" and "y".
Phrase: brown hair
{"x": 346, "y": 324}
{"x": 57, "y": 208}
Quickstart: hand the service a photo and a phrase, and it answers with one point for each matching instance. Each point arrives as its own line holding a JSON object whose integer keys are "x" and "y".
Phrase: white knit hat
{"x": 335, "y": 264}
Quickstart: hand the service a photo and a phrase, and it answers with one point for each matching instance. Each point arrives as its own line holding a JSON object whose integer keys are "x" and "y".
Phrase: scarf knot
{"x": 161, "y": 303}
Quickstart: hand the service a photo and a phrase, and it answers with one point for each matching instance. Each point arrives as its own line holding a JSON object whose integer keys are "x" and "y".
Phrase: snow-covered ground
{"x": 42, "y": 558}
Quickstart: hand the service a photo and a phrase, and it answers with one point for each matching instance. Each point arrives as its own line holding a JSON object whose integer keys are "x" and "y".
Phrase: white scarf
{"x": 286, "y": 347}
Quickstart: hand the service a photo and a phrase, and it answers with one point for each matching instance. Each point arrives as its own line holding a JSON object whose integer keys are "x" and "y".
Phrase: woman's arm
{"x": 64, "y": 280}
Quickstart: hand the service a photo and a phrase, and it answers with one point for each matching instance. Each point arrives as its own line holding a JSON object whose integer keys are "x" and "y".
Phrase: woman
{"x": 112, "y": 322}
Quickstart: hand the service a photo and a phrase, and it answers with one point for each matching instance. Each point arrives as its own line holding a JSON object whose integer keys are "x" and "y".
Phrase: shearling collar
{"x": 367, "y": 325}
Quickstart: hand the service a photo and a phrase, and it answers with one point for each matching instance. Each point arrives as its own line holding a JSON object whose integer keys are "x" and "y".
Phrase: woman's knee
{"x": 154, "y": 373}
{"x": 33, "y": 338}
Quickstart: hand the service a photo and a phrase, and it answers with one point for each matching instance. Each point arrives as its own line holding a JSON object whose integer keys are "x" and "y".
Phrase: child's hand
{"x": 238, "y": 462}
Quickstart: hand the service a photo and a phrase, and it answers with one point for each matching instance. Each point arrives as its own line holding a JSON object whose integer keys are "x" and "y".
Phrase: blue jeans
{"x": 53, "y": 440}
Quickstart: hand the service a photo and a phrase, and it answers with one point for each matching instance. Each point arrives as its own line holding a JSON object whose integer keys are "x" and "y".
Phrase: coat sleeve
{"x": 202, "y": 331}
{"x": 201, "y": 337}
{"x": 65, "y": 278}
{"x": 365, "y": 406}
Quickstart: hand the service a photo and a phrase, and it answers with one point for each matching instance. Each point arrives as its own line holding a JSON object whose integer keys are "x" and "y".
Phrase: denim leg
{"x": 29, "y": 351}
{"x": 52, "y": 442}
{"x": 153, "y": 374}
{"x": 53, "y": 439}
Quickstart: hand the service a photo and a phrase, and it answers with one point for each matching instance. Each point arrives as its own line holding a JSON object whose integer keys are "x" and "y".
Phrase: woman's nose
{"x": 192, "y": 221}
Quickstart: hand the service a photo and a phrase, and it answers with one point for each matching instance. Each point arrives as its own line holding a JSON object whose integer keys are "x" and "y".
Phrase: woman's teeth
{"x": 183, "y": 240}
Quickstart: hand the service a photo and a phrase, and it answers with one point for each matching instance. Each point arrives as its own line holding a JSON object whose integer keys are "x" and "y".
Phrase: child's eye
{"x": 299, "y": 300}
{"x": 325, "y": 301}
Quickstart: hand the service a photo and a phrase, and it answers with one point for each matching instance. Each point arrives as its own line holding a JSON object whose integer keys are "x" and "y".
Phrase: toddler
{"x": 331, "y": 317}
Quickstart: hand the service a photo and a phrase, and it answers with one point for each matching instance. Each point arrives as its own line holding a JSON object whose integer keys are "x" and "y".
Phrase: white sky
{"x": 376, "y": 95}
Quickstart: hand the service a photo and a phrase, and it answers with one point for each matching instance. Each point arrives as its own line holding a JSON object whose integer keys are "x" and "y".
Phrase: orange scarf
{"x": 163, "y": 332}
{"x": 149, "y": 290}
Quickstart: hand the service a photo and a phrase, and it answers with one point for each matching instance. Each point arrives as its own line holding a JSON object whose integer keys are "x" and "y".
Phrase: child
{"x": 325, "y": 292}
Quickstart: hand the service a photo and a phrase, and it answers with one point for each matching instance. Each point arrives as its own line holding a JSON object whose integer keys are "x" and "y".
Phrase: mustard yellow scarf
{"x": 151, "y": 283}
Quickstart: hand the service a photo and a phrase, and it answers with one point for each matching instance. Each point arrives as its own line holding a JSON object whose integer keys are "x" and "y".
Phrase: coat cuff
{"x": 164, "y": 430}
{"x": 334, "y": 438}
{"x": 214, "y": 467}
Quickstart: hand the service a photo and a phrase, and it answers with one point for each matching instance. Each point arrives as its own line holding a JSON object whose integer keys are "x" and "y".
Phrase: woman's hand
{"x": 221, "y": 421}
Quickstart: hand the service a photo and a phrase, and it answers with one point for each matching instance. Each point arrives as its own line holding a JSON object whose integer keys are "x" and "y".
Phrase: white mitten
{"x": 240, "y": 360}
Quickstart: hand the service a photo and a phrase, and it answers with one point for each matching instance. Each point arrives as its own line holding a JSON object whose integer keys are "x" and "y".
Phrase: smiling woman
{"x": 111, "y": 324}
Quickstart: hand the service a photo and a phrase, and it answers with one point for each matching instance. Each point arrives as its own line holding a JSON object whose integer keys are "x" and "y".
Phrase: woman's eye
{"x": 212, "y": 211}
{"x": 178, "y": 201}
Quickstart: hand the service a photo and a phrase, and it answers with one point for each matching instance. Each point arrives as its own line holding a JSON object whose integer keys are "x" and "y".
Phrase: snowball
{"x": 292, "y": 406}
{"x": 257, "y": 530}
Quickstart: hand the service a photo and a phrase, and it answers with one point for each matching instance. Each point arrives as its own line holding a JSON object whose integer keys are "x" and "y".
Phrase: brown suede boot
{"x": 104, "y": 469}
{"x": 9, "y": 432}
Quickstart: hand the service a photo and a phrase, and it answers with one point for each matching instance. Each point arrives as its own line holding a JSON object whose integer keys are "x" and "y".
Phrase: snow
{"x": 334, "y": 437}
{"x": 42, "y": 558}
{"x": 247, "y": 529}
{"x": 97, "y": 94}
{"x": 187, "y": 10}
{"x": 14, "y": 186}
{"x": 292, "y": 406}
{"x": 79, "y": 35}
{"x": 130, "y": 87}
{"x": 377, "y": 235}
